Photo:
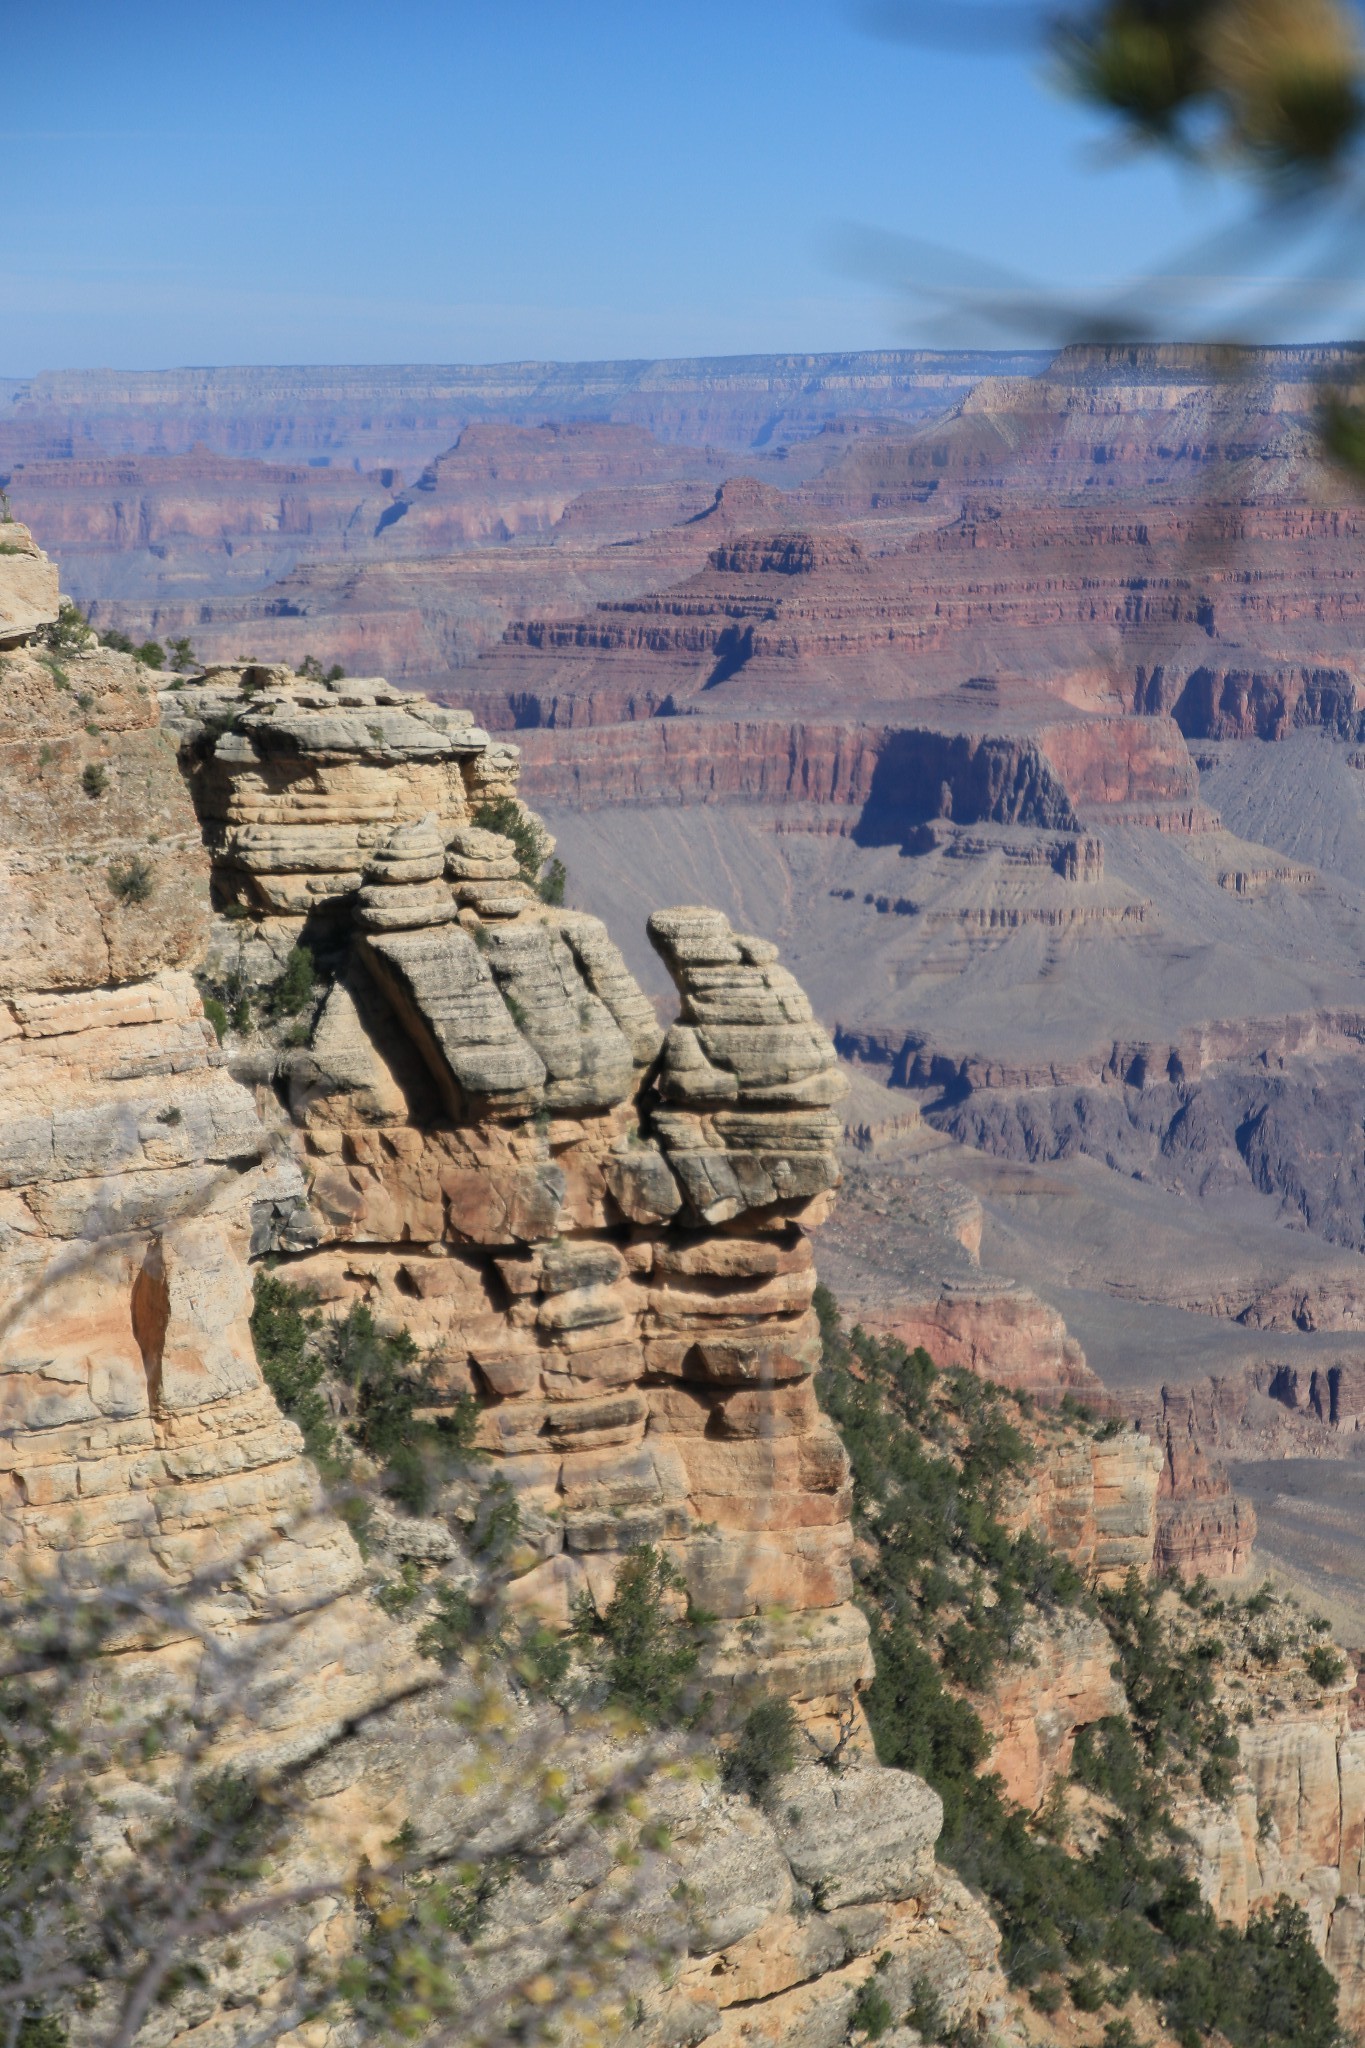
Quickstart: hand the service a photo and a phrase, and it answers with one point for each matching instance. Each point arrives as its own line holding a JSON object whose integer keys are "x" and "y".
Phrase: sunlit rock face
{"x": 596, "y": 1226}
{"x": 136, "y": 1433}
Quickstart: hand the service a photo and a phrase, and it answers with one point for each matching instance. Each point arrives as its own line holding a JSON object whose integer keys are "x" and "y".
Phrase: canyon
{"x": 956, "y": 693}
{"x": 596, "y": 1227}
{"x": 1021, "y": 711}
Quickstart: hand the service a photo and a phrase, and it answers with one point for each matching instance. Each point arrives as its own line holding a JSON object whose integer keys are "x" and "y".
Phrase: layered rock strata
{"x": 617, "y": 1264}
{"x": 136, "y": 1434}
{"x": 1295, "y": 1820}
{"x": 598, "y": 1228}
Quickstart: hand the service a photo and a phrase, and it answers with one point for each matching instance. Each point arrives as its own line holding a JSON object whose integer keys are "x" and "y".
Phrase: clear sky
{"x": 276, "y": 181}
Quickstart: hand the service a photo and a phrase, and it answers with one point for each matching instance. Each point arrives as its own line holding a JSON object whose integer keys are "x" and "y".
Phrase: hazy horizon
{"x": 293, "y": 186}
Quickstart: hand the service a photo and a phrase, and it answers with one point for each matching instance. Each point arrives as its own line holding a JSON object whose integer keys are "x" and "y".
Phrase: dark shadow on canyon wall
{"x": 973, "y": 779}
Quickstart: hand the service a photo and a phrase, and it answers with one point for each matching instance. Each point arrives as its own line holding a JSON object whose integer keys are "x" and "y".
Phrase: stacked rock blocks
{"x": 598, "y": 1228}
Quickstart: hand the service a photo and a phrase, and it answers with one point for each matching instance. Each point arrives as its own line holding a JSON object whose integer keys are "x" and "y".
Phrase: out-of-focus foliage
{"x": 1274, "y": 85}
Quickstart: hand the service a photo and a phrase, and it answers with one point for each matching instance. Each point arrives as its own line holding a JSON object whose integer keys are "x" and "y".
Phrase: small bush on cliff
{"x": 645, "y": 1647}
{"x": 70, "y": 632}
{"x": 294, "y": 989}
{"x": 131, "y": 880}
{"x": 1323, "y": 1666}
{"x": 390, "y": 1385}
{"x": 311, "y": 669}
{"x": 505, "y": 815}
{"x": 766, "y": 1749}
{"x": 871, "y": 2013}
{"x": 375, "y": 1378}
{"x": 284, "y": 1329}
{"x": 94, "y": 778}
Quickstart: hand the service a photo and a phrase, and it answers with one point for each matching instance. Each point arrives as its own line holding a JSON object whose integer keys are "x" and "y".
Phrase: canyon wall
{"x": 466, "y": 1141}
{"x": 392, "y": 411}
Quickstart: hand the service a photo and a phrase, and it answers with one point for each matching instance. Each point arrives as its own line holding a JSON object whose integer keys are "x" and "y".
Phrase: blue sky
{"x": 407, "y": 181}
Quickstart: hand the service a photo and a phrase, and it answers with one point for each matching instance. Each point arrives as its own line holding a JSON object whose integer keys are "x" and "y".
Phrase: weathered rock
{"x": 28, "y": 585}
{"x": 1063, "y": 1681}
{"x": 484, "y": 1161}
{"x": 862, "y": 1836}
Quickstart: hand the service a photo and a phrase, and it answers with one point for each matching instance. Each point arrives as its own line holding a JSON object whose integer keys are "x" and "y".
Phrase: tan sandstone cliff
{"x": 600, "y": 1227}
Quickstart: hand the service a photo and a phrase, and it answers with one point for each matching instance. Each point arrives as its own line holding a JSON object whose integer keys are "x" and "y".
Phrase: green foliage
{"x": 405, "y": 1973}
{"x": 294, "y": 989}
{"x": 390, "y": 1383}
{"x": 643, "y": 1649}
{"x": 952, "y": 1589}
{"x": 231, "y": 1828}
{"x": 1170, "y": 1691}
{"x": 94, "y": 778}
{"x": 312, "y": 670}
{"x": 149, "y": 652}
{"x": 1089, "y": 1992}
{"x": 505, "y": 815}
{"x": 69, "y": 633}
{"x": 497, "y": 1522}
{"x": 1121, "y": 2034}
{"x": 766, "y": 1748}
{"x": 285, "y": 1325}
{"x": 550, "y": 887}
{"x": 400, "y": 1595}
{"x": 451, "y": 1629}
{"x": 300, "y": 1352}
{"x": 926, "y": 2009}
{"x": 541, "y": 1658}
{"x": 947, "y": 1592}
{"x": 871, "y": 2013}
{"x": 217, "y": 1016}
{"x": 181, "y": 654}
{"x": 40, "y": 1847}
{"x": 1276, "y": 85}
{"x": 1323, "y": 1666}
{"x": 1265, "y": 1989}
{"x": 131, "y": 880}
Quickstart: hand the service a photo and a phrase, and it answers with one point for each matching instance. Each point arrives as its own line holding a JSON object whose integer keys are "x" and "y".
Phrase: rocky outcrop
{"x": 1295, "y": 1819}
{"x": 991, "y": 1326}
{"x": 1062, "y": 1681}
{"x": 28, "y": 586}
{"x": 1095, "y": 1498}
{"x": 136, "y": 1432}
{"x": 599, "y": 1229}
{"x": 1202, "y": 1525}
